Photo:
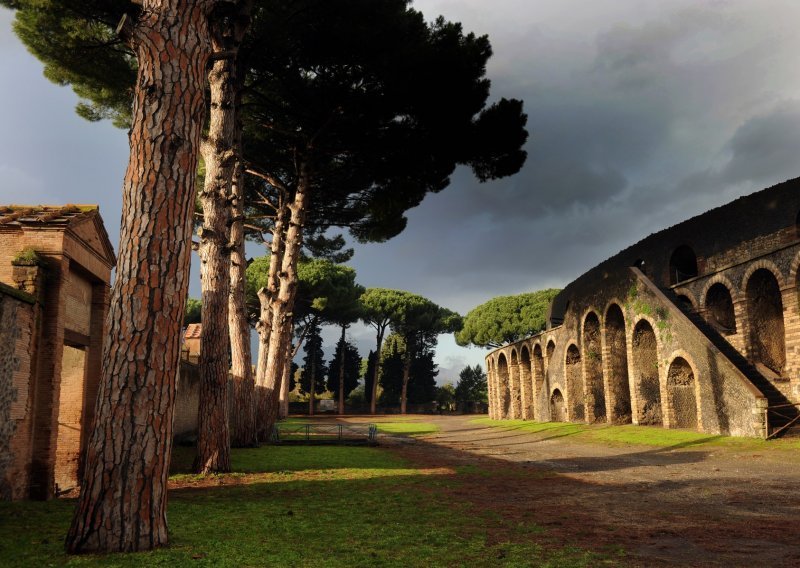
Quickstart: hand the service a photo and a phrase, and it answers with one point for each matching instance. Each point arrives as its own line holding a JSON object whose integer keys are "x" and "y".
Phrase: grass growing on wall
{"x": 642, "y": 435}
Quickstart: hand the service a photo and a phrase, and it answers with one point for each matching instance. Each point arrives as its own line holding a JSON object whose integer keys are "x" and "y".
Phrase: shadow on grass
{"x": 385, "y": 518}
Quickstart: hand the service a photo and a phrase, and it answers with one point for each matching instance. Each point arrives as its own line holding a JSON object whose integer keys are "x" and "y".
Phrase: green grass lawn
{"x": 641, "y": 435}
{"x": 305, "y": 506}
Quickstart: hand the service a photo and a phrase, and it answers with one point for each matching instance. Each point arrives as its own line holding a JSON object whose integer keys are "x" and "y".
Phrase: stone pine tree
{"x": 506, "y": 319}
{"x": 162, "y": 47}
{"x": 419, "y": 322}
{"x": 344, "y": 371}
{"x": 358, "y": 109}
{"x": 314, "y": 367}
{"x": 380, "y": 306}
{"x": 221, "y": 153}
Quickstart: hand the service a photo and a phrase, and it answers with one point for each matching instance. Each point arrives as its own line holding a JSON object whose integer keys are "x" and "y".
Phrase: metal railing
{"x": 781, "y": 411}
{"x": 321, "y": 433}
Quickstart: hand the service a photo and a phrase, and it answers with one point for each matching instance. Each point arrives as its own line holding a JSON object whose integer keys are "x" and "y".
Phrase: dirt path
{"x": 663, "y": 506}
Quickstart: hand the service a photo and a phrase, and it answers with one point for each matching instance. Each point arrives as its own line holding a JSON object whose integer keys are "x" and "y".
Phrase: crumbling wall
{"x": 681, "y": 393}
{"x": 575, "y": 393}
{"x": 617, "y": 366}
{"x": 765, "y": 314}
{"x": 645, "y": 374}
{"x": 593, "y": 366}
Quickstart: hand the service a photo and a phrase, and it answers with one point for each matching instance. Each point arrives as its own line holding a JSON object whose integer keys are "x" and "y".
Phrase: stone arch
{"x": 558, "y": 410}
{"x": 503, "y": 387}
{"x": 682, "y": 264}
{"x": 593, "y": 368}
{"x": 758, "y": 265}
{"x": 681, "y": 393}
{"x": 551, "y": 350}
{"x": 526, "y": 380}
{"x": 719, "y": 309}
{"x": 490, "y": 387}
{"x": 617, "y": 365}
{"x": 574, "y": 384}
{"x": 797, "y": 226}
{"x": 687, "y": 297}
{"x": 514, "y": 385}
{"x": 644, "y": 350}
{"x": 765, "y": 318}
{"x": 537, "y": 369}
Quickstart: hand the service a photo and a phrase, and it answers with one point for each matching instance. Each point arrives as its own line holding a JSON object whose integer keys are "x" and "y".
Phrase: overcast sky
{"x": 641, "y": 113}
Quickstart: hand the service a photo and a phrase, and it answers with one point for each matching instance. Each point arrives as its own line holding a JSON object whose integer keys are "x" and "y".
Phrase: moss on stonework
{"x": 26, "y": 257}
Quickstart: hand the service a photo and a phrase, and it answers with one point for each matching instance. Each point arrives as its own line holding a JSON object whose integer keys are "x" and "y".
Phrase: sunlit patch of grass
{"x": 642, "y": 435}
{"x": 407, "y": 428}
{"x": 336, "y": 506}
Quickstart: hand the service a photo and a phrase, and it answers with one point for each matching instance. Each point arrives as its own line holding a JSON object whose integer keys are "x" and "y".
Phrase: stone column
{"x": 526, "y": 389}
{"x": 514, "y": 386}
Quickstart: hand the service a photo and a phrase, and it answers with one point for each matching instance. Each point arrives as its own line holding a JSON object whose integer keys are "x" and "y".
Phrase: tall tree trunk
{"x": 313, "y": 390}
{"x": 406, "y": 377}
{"x": 123, "y": 500}
{"x": 341, "y": 370}
{"x": 271, "y": 415}
{"x": 264, "y": 325}
{"x": 219, "y": 153}
{"x": 243, "y": 420}
{"x": 283, "y": 402}
{"x": 374, "y": 396}
{"x": 283, "y": 301}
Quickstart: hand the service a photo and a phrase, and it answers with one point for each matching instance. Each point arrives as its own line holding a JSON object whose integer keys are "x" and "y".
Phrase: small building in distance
{"x": 696, "y": 326}
{"x": 55, "y": 271}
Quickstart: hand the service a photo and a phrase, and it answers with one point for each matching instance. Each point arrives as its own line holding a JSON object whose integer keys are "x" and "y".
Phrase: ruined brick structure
{"x": 696, "y": 326}
{"x": 53, "y": 308}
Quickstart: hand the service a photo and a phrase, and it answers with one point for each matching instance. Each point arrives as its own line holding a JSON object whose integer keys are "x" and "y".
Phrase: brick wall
{"x": 17, "y": 341}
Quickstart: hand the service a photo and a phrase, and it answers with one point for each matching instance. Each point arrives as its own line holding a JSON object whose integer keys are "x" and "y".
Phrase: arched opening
{"x": 558, "y": 412}
{"x": 516, "y": 395}
{"x": 549, "y": 353}
{"x": 593, "y": 365}
{"x": 639, "y": 263}
{"x": 574, "y": 381}
{"x": 719, "y": 309}
{"x": 645, "y": 369}
{"x": 765, "y": 312}
{"x": 503, "y": 388}
{"x": 681, "y": 393}
{"x": 620, "y": 391}
{"x": 538, "y": 372}
{"x": 526, "y": 380}
{"x": 685, "y": 303}
{"x": 682, "y": 264}
{"x": 797, "y": 226}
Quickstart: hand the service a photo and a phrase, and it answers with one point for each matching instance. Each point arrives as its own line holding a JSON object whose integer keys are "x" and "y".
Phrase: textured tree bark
{"x": 341, "y": 371}
{"x": 219, "y": 155}
{"x": 283, "y": 301}
{"x": 406, "y": 377}
{"x": 243, "y": 419}
{"x": 312, "y": 392}
{"x": 264, "y": 325}
{"x": 283, "y": 402}
{"x": 374, "y": 396}
{"x": 123, "y": 500}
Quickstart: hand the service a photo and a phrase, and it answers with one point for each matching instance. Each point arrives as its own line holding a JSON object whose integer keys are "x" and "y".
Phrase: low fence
{"x": 311, "y": 433}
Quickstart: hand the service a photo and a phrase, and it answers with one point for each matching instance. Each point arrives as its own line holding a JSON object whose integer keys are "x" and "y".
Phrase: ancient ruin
{"x": 55, "y": 269}
{"x": 696, "y": 326}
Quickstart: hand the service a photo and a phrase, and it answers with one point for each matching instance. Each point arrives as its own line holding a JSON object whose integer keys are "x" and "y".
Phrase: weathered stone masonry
{"x": 52, "y": 317}
{"x": 697, "y": 326}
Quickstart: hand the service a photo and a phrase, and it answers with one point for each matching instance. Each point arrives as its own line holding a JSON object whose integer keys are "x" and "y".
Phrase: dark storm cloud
{"x": 642, "y": 113}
